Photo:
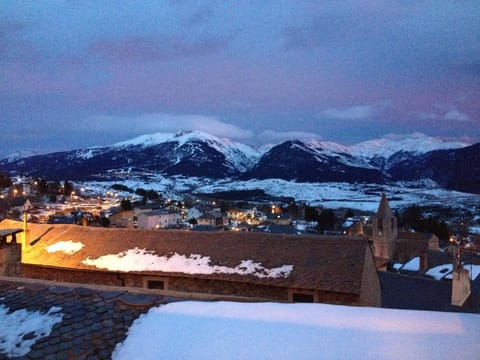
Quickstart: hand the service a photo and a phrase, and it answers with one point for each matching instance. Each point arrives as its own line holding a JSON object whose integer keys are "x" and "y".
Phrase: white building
{"x": 159, "y": 219}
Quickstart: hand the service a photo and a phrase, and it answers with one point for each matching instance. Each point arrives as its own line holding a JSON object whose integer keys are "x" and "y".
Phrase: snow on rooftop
{"x": 474, "y": 270}
{"x": 68, "y": 247}
{"x": 21, "y": 329}
{"x": 438, "y": 272}
{"x": 412, "y": 265}
{"x": 143, "y": 260}
{"x": 226, "y": 330}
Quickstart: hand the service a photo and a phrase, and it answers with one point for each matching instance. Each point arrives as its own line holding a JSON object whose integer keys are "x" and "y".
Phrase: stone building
{"x": 389, "y": 244}
{"x": 248, "y": 266}
{"x": 159, "y": 219}
{"x": 384, "y": 231}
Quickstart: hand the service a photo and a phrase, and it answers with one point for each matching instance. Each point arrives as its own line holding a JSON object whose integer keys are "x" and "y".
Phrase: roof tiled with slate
{"x": 93, "y": 323}
{"x": 414, "y": 236}
{"x": 422, "y": 293}
{"x": 322, "y": 263}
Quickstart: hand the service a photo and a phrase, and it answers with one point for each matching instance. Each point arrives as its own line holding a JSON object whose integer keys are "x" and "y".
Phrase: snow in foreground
{"x": 225, "y": 330}
{"x": 21, "y": 329}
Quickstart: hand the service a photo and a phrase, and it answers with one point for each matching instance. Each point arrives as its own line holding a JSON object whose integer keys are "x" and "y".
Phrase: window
{"x": 302, "y": 298}
{"x": 156, "y": 284}
{"x": 380, "y": 224}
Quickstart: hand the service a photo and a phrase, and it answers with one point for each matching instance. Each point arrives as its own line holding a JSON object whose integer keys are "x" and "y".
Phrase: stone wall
{"x": 371, "y": 293}
{"x": 183, "y": 284}
{"x": 10, "y": 259}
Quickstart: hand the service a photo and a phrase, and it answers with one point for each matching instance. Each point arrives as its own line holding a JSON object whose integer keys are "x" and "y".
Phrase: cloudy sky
{"x": 84, "y": 73}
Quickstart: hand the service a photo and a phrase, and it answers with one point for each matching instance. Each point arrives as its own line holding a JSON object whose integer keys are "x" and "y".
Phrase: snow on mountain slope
{"x": 242, "y": 157}
{"x": 20, "y": 154}
{"x": 390, "y": 144}
{"x": 185, "y": 144}
{"x": 146, "y": 140}
{"x": 327, "y": 147}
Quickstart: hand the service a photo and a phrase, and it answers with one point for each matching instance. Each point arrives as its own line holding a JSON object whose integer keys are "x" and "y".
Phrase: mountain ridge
{"x": 198, "y": 154}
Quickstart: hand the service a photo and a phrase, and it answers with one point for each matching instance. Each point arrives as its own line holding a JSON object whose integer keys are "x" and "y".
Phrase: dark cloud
{"x": 258, "y": 66}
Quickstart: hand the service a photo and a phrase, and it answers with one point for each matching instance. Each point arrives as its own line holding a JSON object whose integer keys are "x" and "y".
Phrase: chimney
{"x": 10, "y": 253}
{"x": 424, "y": 261}
{"x": 460, "y": 286}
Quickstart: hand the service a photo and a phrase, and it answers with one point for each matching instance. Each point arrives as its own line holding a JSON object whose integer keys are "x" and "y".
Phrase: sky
{"x": 75, "y": 74}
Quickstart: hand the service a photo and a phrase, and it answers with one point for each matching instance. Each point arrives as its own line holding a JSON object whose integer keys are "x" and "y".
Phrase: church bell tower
{"x": 385, "y": 230}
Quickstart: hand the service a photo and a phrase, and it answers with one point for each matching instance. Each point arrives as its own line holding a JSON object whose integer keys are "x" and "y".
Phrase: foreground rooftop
{"x": 93, "y": 319}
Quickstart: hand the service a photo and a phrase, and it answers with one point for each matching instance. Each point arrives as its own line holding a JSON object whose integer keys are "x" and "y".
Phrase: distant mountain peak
{"x": 417, "y": 143}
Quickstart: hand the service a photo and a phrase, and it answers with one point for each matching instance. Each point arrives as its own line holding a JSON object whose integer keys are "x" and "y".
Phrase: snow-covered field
{"x": 226, "y": 330}
{"x": 331, "y": 195}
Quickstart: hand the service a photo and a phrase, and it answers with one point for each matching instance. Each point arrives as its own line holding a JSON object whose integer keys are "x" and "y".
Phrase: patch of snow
{"x": 146, "y": 140}
{"x": 21, "y": 329}
{"x": 473, "y": 269}
{"x": 20, "y": 154}
{"x": 364, "y": 197}
{"x": 142, "y": 260}
{"x": 87, "y": 153}
{"x": 68, "y": 247}
{"x": 474, "y": 230}
{"x": 241, "y": 156}
{"x": 397, "y": 266}
{"x": 226, "y": 330}
{"x": 412, "y": 265}
{"x": 440, "y": 271}
{"x": 328, "y": 147}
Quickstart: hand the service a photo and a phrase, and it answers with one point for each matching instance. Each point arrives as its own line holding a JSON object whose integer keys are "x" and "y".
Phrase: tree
{"x": 413, "y": 218}
{"x": 349, "y": 214}
{"x": 311, "y": 213}
{"x": 121, "y": 187}
{"x": 326, "y": 220}
{"x": 42, "y": 186}
{"x": 5, "y": 181}
{"x": 67, "y": 188}
{"x": 126, "y": 204}
{"x": 105, "y": 221}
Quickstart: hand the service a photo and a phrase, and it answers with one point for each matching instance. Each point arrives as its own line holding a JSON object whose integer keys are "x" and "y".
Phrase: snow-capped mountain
{"x": 313, "y": 161}
{"x": 416, "y": 143}
{"x": 456, "y": 169}
{"x": 190, "y": 154}
{"x": 200, "y": 155}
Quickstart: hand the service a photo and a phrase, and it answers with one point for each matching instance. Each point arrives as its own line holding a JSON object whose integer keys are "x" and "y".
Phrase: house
{"x": 20, "y": 204}
{"x": 121, "y": 218}
{"x": 212, "y": 219}
{"x": 280, "y": 219}
{"x": 197, "y": 211}
{"x": 236, "y": 214}
{"x": 245, "y": 265}
{"x": 159, "y": 219}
